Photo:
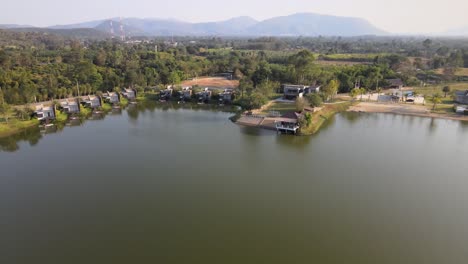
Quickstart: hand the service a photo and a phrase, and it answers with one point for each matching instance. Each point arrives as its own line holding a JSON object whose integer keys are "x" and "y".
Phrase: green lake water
{"x": 166, "y": 185}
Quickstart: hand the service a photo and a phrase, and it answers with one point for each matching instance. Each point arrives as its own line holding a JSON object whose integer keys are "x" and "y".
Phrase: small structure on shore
{"x": 226, "y": 97}
{"x": 45, "y": 113}
{"x": 461, "y": 97}
{"x": 204, "y": 96}
{"x": 394, "y": 84}
{"x": 461, "y": 109}
{"x": 288, "y": 123}
{"x": 166, "y": 94}
{"x": 130, "y": 94}
{"x": 111, "y": 97}
{"x": 404, "y": 96}
{"x": 292, "y": 92}
{"x": 92, "y": 101}
{"x": 185, "y": 94}
{"x": 71, "y": 106}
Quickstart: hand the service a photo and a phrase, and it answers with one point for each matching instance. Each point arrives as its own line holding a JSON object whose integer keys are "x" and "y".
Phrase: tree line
{"x": 38, "y": 67}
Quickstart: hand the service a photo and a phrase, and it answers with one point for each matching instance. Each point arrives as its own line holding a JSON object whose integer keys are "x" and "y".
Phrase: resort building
{"x": 185, "y": 93}
{"x": 394, "y": 84}
{"x": 288, "y": 123}
{"x": 92, "y": 101}
{"x": 226, "y": 97}
{"x": 166, "y": 94}
{"x": 70, "y": 106}
{"x": 292, "y": 92}
{"x": 45, "y": 112}
{"x": 130, "y": 94}
{"x": 204, "y": 96}
{"x": 461, "y": 97}
{"x": 111, "y": 97}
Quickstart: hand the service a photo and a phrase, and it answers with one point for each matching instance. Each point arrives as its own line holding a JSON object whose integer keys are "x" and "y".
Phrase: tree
{"x": 315, "y": 100}
{"x": 436, "y": 99}
{"x": 427, "y": 44}
{"x": 308, "y": 119}
{"x": 446, "y": 90}
{"x": 4, "y": 111}
{"x": 331, "y": 89}
{"x": 355, "y": 92}
{"x": 300, "y": 104}
{"x": 22, "y": 113}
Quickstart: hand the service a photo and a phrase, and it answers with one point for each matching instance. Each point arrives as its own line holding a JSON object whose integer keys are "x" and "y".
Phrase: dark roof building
{"x": 461, "y": 97}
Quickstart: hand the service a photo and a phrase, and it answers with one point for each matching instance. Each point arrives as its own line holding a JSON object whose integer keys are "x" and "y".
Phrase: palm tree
{"x": 354, "y": 93}
{"x": 446, "y": 90}
{"x": 436, "y": 100}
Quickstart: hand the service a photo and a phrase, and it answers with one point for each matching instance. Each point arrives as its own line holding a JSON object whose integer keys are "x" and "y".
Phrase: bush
{"x": 300, "y": 104}
{"x": 315, "y": 100}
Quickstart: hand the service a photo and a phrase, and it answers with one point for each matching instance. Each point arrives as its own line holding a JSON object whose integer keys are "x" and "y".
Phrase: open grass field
{"x": 351, "y": 56}
{"x": 459, "y": 72}
{"x": 281, "y": 107}
{"x": 217, "y": 82}
{"x": 339, "y": 63}
{"x": 433, "y": 89}
{"x": 14, "y": 126}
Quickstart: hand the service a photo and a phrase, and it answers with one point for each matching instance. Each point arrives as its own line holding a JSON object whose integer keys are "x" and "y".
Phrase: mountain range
{"x": 301, "y": 24}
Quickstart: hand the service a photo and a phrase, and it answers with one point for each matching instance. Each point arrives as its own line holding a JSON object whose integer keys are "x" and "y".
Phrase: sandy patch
{"x": 402, "y": 109}
{"x": 215, "y": 82}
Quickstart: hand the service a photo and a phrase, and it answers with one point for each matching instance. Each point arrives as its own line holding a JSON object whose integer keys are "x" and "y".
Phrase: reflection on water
{"x": 189, "y": 186}
{"x": 33, "y": 135}
{"x": 30, "y": 135}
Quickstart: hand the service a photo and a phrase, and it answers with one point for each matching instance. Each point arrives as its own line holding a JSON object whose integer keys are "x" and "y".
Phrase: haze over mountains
{"x": 301, "y": 24}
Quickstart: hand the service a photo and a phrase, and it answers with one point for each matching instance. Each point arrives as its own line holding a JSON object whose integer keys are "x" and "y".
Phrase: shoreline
{"x": 402, "y": 109}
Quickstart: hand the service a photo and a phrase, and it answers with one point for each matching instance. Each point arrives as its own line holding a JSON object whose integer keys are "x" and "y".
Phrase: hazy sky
{"x": 396, "y": 16}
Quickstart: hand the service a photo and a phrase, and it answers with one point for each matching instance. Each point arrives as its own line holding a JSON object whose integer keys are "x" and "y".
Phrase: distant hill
{"x": 306, "y": 24}
{"x": 89, "y": 24}
{"x": 8, "y": 26}
{"x": 309, "y": 24}
{"x": 83, "y": 33}
{"x": 303, "y": 24}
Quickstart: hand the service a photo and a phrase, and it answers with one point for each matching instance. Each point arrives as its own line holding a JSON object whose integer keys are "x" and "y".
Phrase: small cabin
{"x": 166, "y": 94}
{"x": 70, "y": 106}
{"x": 288, "y": 123}
{"x": 292, "y": 91}
{"x": 185, "y": 94}
{"x": 204, "y": 96}
{"x": 129, "y": 94}
{"x": 45, "y": 112}
{"x": 226, "y": 97}
{"x": 92, "y": 102}
{"x": 111, "y": 97}
{"x": 394, "y": 84}
{"x": 461, "y": 97}
{"x": 312, "y": 89}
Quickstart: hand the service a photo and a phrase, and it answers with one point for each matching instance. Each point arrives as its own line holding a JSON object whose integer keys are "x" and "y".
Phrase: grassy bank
{"x": 319, "y": 118}
{"x": 15, "y": 126}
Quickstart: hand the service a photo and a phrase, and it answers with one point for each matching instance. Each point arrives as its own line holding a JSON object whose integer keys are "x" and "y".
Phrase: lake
{"x": 167, "y": 185}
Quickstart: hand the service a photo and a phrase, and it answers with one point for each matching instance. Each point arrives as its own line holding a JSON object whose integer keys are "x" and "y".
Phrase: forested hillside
{"x": 38, "y": 66}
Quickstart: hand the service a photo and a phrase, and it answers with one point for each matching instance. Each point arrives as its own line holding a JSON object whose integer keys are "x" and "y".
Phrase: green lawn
{"x": 433, "y": 89}
{"x": 280, "y": 107}
{"x": 14, "y": 126}
{"x": 459, "y": 72}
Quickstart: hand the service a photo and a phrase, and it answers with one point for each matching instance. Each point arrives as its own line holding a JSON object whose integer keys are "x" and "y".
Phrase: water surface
{"x": 169, "y": 185}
